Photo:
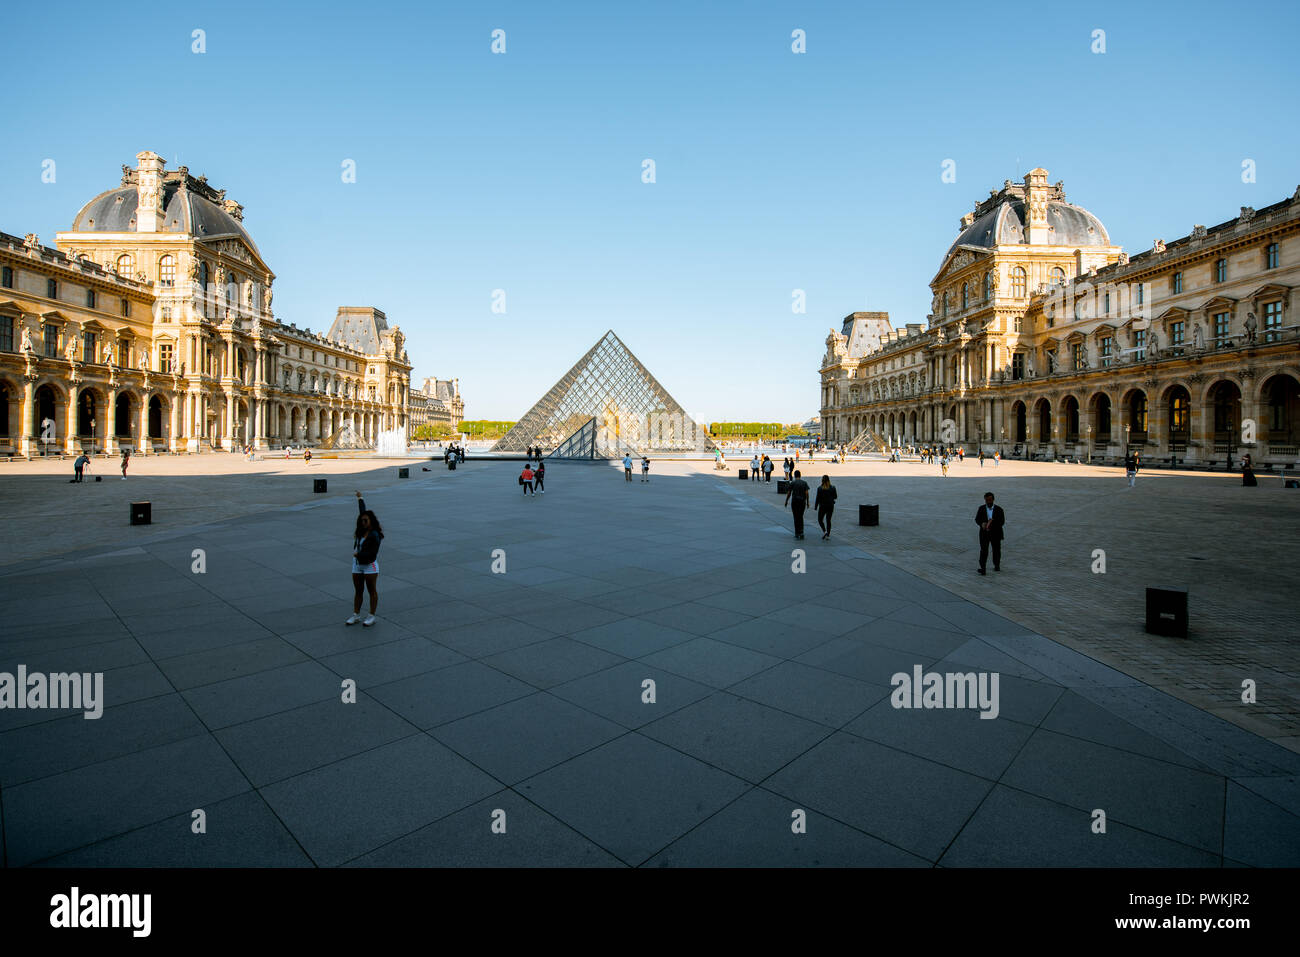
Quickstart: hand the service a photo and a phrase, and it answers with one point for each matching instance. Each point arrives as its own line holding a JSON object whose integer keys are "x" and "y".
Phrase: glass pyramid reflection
{"x": 606, "y": 406}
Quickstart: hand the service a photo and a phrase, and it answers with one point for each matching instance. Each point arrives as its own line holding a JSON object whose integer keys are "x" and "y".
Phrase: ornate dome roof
{"x": 185, "y": 210}
{"x": 1004, "y": 224}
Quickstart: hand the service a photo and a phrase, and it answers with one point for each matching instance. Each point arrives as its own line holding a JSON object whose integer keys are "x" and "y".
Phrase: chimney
{"x": 1036, "y": 196}
{"x": 149, "y": 192}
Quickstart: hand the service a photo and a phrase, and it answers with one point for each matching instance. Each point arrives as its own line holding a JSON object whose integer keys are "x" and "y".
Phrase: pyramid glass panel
{"x": 632, "y": 412}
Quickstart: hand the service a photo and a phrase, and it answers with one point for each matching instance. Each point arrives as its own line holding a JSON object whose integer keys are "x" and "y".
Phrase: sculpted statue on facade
{"x": 26, "y": 345}
{"x": 71, "y": 350}
{"x": 1153, "y": 344}
{"x": 1198, "y": 339}
{"x": 1250, "y": 324}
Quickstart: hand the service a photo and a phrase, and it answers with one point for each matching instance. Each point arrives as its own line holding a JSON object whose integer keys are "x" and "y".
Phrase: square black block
{"x": 99, "y": 478}
{"x": 1167, "y": 612}
{"x": 404, "y": 472}
{"x": 868, "y": 514}
{"x": 319, "y": 485}
{"x": 742, "y": 474}
{"x": 141, "y": 513}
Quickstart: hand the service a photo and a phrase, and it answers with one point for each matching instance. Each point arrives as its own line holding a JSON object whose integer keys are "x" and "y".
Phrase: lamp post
{"x": 1090, "y": 445}
{"x": 1001, "y": 442}
{"x": 1127, "y": 426}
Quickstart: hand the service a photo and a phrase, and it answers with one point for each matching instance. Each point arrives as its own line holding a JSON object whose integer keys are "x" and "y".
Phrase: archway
{"x": 87, "y": 413}
{"x": 1224, "y": 427}
{"x": 1281, "y": 407}
{"x": 1070, "y": 414}
{"x": 1043, "y": 408}
{"x": 1101, "y": 418}
{"x": 45, "y": 423}
{"x": 5, "y": 430}
{"x": 122, "y": 416}
{"x": 1135, "y": 417}
{"x": 1020, "y": 429}
{"x": 156, "y": 418}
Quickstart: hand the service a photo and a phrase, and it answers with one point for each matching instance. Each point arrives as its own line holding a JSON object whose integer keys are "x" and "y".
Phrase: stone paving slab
{"x": 648, "y": 683}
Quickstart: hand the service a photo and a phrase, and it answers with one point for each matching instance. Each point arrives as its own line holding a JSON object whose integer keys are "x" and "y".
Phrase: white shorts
{"x": 371, "y": 569}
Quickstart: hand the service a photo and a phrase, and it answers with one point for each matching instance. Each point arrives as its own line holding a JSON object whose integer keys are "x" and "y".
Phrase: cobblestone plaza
{"x": 506, "y": 678}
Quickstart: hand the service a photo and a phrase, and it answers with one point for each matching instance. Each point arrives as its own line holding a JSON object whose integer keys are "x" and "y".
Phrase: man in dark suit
{"x": 990, "y": 519}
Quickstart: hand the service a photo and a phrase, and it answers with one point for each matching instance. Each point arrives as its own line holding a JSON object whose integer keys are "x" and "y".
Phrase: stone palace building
{"x": 438, "y": 402}
{"x": 149, "y": 326}
{"x": 1046, "y": 340}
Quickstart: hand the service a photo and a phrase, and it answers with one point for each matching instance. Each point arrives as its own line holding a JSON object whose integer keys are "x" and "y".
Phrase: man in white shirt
{"x": 753, "y": 468}
{"x": 990, "y": 518}
{"x": 627, "y": 467}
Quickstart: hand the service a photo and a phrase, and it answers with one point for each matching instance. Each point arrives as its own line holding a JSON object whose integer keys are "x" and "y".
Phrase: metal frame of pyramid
{"x": 606, "y": 406}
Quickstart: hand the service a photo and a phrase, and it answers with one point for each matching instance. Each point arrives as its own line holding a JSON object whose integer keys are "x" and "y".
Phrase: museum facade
{"x": 149, "y": 326}
{"x": 1045, "y": 340}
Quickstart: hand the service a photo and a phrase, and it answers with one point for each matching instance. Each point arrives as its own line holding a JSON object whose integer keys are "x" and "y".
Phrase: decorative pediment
{"x": 1271, "y": 289}
{"x": 1225, "y": 302}
{"x": 1173, "y": 313}
{"x": 54, "y": 316}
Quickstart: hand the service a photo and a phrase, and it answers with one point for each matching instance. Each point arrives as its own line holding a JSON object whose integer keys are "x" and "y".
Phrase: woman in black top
{"x": 365, "y": 562}
{"x": 825, "y": 503}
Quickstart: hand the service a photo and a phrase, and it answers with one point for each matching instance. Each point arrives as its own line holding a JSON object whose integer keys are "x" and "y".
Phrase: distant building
{"x": 1047, "y": 340}
{"x": 438, "y": 402}
{"x": 150, "y": 327}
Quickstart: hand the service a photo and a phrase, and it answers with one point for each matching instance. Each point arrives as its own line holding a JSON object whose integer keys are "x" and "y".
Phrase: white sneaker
{"x": 370, "y": 620}
{"x": 354, "y": 619}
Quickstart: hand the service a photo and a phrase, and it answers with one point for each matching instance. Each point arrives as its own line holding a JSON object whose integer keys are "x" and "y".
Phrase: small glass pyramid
{"x": 606, "y": 406}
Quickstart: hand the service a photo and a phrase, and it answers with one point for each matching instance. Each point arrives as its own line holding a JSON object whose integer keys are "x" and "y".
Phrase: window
{"x": 1105, "y": 349}
{"x": 1106, "y": 303}
{"x": 124, "y": 354}
{"x": 126, "y": 307}
{"x": 1176, "y": 283}
{"x": 51, "y": 289}
{"x": 51, "y": 336}
{"x": 124, "y": 265}
{"x": 1176, "y": 330}
{"x": 1018, "y": 365}
{"x": 1219, "y": 322}
{"x": 167, "y": 271}
{"x": 1058, "y": 276}
{"x": 203, "y": 275}
{"x": 165, "y": 357}
{"x": 7, "y": 277}
{"x": 1270, "y": 256}
{"x": 166, "y": 314}
{"x": 965, "y": 295}
{"x": 1139, "y": 344}
{"x": 988, "y": 286}
{"x": 1221, "y": 270}
{"x": 90, "y": 299}
{"x": 1018, "y": 324}
{"x": 1019, "y": 282}
{"x": 1272, "y": 321}
{"x": 6, "y": 334}
{"x": 1080, "y": 307}
{"x": 1141, "y": 293}
{"x": 88, "y": 353}
{"x": 945, "y": 315}
{"x": 1180, "y": 410}
{"x": 1076, "y": 356}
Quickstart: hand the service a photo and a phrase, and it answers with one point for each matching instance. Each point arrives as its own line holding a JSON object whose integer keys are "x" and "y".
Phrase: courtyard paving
{"x": 521, "y": 697}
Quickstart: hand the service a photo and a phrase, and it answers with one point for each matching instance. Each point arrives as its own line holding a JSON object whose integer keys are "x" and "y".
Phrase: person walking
{"x": 825, "y": 504}
{"x": 767, "y": 468}
{"x": 627, "y": 467}
{"x": 79, "y": 465}
{"x": 1130, "y": 468}
{"x": 306, "y": 456}
{"x": 645, "y": 468}
{"x": 526, "y": 478}
{"x": 943, "y": 464}
{"x": 990, "y": 518}
{"x": 981, "y": 458}
{"x": 529, "y": 452}
{"x": 1248, "y": 471}
{"x": 796, "y": 496}
{"x": 365, "y": 562}
{"x": 126, "y": 460}
{"x": 753, "y": 468}
{"x": 961, "y": 455}
{"x": 539, "y": 477}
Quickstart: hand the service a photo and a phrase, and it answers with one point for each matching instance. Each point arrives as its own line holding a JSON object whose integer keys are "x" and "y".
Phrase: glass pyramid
{"x": 606, "y": 406}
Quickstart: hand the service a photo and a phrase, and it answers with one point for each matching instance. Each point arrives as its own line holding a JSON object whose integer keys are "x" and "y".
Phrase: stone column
{"x": 174, "y": 416}
{"x": 29, "y": 424}
{"x": 231, "y": 407}
{"x": 110, "y": 423}
{"x": 142, "y": 440}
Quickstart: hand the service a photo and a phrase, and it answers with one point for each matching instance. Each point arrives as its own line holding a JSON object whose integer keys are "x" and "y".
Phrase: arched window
{"x": 965, "y": 295}
{"x": 125, "y": 265}
{"x": 167, "y": 271}
{"x": 988, "y": 286}
{"x": 203, "y": 275}
{"x": 1019, "y": 281}
{"x": 1058, "y": 276}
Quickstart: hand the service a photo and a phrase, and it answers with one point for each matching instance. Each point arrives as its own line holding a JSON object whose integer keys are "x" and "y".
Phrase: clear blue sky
{"x": 522, "y": 171}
